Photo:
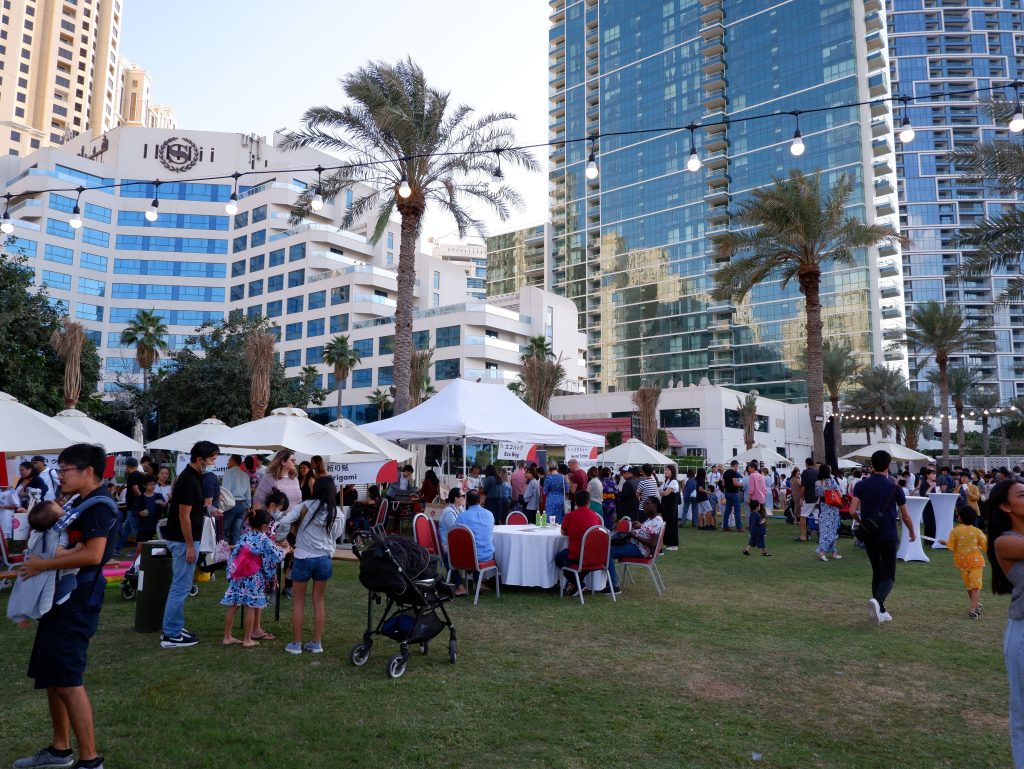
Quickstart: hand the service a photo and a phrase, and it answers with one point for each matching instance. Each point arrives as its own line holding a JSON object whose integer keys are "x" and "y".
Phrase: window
{"x": 317, "y": 300}
{"x": 735, "y": 421}
{"x": 254, "y": 312}
{"x": 293, "y": 331}
{"x": 237, "y": 292}
{"x": 295, "y": 305}
{"x": 447, "y": 336}
{"x": 167, "y": 268}
{"x": 57, "y": 254}
{"x": 92, "y": 287}
{"x": 95, "y": 237}
{"x": 421, "y": 339}
{"x": 259, "y": 214}
{"x": 277, "y": 257}
{"x": 339, "y": 324}
{"x": 238, "y": 268}
{"x": 256, "y": 262}
{"x": 391, "y": 240}
{"x": 258, "y": 238}
{"x": 437, "y": 280}
{"x": 296, "y": 278}
{"x": 364, "y": 347}
{"x": 362, "y": 378}
{"x": 339, "y": 295}
{"x": 97, "y": 213}
{"x": 292, "y": 358}
{"x": 385, "y": 376}
{"x": 348, "y": 198}
{"x": 315, "y": 327}
{"x": 386, "y": 345}
{"x": 314, "y": 355}
{"x": 57, "y": 280}
{"x": 255, "y": 288}
{"x": 275, "y": 283}
{"x": 179, "y": 245}
{"x": 88, "y": 312}
{"x": 680, "y": 417}
{"x": 60, "y": 229}
{"x": 296, "y": 252}
{"x": 435, "y": 300}
{"x": 241, "y": 220}
{"x": 239, "y": 243}
{"x": 92, "y": 261}
{"x": 446, "y": 369}
{"x": 274, "y": 309}
{"x": 61, "y": 203}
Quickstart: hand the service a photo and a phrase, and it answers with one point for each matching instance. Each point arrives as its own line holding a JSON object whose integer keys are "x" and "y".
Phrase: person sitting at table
{"x": 574, "y": 526}
{"x": 642, "y": 540}
{"x": 404, "y": 486}
{"x": 364, "y": 511}
{"x": 449, "y": 517}
{"x": 429, "y": 489}
{"x": 480, "y": 521}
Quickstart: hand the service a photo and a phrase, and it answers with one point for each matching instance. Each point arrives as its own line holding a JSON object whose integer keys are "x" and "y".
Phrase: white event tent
{"x": 110, "y": 439}
{"x": 633, "y": 452}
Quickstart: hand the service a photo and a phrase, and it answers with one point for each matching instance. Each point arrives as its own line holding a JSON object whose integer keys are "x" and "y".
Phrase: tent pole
{"x": 465, "y": 474}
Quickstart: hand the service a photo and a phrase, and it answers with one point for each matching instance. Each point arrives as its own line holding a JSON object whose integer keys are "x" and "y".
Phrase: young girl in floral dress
{"x": 253, "y": 565}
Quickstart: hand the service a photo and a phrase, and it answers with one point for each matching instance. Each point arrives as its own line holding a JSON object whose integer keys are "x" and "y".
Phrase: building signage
{"x": 178, "y": 154}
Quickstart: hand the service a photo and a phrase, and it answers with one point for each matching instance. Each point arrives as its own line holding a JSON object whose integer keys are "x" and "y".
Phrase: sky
{"x": 254, "y": 66}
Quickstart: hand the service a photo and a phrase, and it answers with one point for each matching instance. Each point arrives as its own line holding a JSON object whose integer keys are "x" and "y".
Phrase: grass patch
{"x": 744, "y": 655}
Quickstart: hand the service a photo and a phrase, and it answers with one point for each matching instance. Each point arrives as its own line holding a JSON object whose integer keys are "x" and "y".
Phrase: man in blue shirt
{"x": 480, "y": 521}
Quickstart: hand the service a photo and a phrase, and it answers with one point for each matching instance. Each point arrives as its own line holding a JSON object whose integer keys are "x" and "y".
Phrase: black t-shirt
{"x": 100, "y": 520}
{"x": 729, "y": 480}
{"x": 874, "y": 492}
{"x": 807, "y": 480}
{"x": 628, "y": 504}
{"x": 138, "y": 479}
{"x": 188, "y": 490}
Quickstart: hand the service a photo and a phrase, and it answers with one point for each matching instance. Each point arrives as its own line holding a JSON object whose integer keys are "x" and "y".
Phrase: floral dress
{"x": 556, "y": 486}
{"x": 828, "y": 517}
{"x": 252, "y": 591}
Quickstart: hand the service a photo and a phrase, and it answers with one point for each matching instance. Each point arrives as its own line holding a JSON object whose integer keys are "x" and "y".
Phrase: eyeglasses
{"x": 63, "y": 470}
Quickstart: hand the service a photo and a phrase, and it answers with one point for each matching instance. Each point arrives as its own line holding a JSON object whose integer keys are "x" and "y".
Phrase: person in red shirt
{"x": 574, "y": 526}
{"x": 577, "y": 477}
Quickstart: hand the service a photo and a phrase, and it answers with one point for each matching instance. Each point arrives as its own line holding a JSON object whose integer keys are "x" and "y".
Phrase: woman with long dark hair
{"x": 669, "y": 494}
{"x": 318, "y": 523}
{"x": 828, "y": 515}
{"x": 490, "y": 490}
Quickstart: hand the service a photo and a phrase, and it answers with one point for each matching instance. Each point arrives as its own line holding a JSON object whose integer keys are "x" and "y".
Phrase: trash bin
{"x": 155, "y": 572}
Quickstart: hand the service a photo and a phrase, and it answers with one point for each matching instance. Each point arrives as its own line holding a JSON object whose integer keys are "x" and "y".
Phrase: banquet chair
{"x": 425, "y": 535}
{"x": 462, "y": 557}
{"x": 624, "y": 524}
{"x": 595, "y": 547}
{"x": 646, "y": 563}
{"x": 382, "y": 517}
{"x": 8, "y": 563}
{"x": 517, "y": 518}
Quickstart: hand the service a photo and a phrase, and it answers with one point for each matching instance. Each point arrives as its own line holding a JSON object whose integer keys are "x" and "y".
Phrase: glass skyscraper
{"x": 939, "y": 49}
{"x": 633, "y": 248}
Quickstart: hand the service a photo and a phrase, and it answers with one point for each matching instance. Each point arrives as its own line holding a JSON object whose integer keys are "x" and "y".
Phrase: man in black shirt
{"x": 183, "y": 532}
{"x": 134, "y": 486}
{"x": 628, "y": 504}
{"x": 808, "y": 478}
{"x": 732, "y": 482}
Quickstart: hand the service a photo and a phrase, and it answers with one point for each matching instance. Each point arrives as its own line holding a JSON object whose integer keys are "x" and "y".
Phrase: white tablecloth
{"x": 913, "y": 551}
{"x": 526, "y": 555}
{"x": 944, "y": 506}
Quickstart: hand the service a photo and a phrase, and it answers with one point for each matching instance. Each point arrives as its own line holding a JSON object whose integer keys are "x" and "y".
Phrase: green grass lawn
{"x": 744, "y": 655}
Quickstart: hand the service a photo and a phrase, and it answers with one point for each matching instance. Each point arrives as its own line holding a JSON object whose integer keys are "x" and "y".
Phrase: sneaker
{"x": 293, "y": 648}
{"x": 313, "y": 647}
{"x": 96, "y": 763}
{"x": 286, "y": 593}
{"x": 46, "y": 759}
{"x": 884, "y": 617}
{"x": 974, "y": 614}
{"x": 184, "y": 638}
{"x": 672, "y": 547}
{"x": 874, "y": 612}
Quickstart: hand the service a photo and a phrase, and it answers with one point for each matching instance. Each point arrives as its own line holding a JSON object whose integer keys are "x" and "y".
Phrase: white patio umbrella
{"x": 848, "y": 464}
{"x": 211, "y": 429}
{"x": 764, "y": 455}
{"x": 899, "y": 453}
{"x": 27, "y": 431}
{"x": 291, "y": 428}
{"x": 386, "y": 449}
{"x": 633, "y": 452}
{"x": 97, "y": 432}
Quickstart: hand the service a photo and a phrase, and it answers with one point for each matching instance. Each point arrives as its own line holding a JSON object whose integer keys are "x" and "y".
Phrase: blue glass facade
{"x": 633, "y": 247}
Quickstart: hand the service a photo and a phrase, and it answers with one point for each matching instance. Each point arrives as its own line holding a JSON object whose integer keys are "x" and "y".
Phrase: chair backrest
{"x": 657, "y": 549}
{"x": 5, "y": 556}
{"x": 624, "y": 524}
{"x": 462, "y": 548}
{"x": 422, "y": 535}
{"x": 516, "y": 519}
{"x": 435, "y": 537}
{"x": 382, "y": 513}
{"x": 595, "y": 549}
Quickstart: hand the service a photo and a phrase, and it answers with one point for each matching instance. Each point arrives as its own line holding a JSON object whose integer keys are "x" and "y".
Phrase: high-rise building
{"x": 135, "y": 104}
{"x": 519, "y": 258}
{"x": 471, "y": 257}
{"x": 941, "y": 52}
{"x": 633, "y": 246}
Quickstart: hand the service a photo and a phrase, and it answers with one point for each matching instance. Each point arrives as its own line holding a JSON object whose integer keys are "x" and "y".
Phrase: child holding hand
{"x": 758, "y": 526}
{"x": 968, "y": 544}
{"x": 253, "y": 565}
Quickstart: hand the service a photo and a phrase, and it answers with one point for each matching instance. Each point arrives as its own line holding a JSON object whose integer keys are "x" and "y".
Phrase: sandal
{"x": 766, "y": 554}
{"x": 265, "y": 637}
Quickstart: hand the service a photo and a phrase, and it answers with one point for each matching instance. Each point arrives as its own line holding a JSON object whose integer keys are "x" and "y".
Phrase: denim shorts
{"x": 318, "y": 569}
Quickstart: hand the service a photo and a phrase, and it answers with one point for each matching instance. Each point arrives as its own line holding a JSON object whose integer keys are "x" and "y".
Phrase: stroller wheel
{"x": 424, "y": 647}
{"x": 193, "y": 591}
{"x": 360, "y": 654}
{"x": 127, "y": 592}
{"x": 396, "y": 666}
{"x": 452, "y": 649}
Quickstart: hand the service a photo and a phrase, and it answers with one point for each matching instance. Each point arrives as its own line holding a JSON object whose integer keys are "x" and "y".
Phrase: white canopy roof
{"x": 27, "y": 431}
{"x": 97, "y": 432}
{"x": 633, "y": 452}
{"x": 385, "y": 449}
{"x": 291, "y": 428}
{"x": 476, "y": 411}
{"x": 764, "y": 455}
{"x": 211, "y": 429}
{"x": 899, "y": 453}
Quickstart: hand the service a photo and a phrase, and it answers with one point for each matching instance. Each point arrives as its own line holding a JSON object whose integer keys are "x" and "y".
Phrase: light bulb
{"x": 404, "y": 190}
{"x": 693, "y": 162}
{"x": 6, "y": 225}
{"x": 316, "y": 202}
{"x": 232, "y": 205}
{"x": 797, "y": 147}
{"x": 1017, "y": 122}
{"x": 497, "y": 177}
{"x": 152, "y": 213}
{"x": 907, "y": 132}
{"x": 592, "y": 171}
{"x": 76, "y": 218}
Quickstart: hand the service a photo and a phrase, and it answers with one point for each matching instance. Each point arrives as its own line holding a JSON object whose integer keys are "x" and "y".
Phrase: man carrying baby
{"x": 58, "y": 657}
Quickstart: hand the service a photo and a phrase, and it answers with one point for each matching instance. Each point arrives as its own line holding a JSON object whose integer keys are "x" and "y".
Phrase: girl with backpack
{"x": 253, "y": 565}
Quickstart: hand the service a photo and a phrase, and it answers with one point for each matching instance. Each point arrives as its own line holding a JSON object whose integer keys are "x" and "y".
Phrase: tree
{"x": 795, "y": 231}
{"x": 646, "y": 401}
{"x": 145, "y": 332}
{"x": 340, "y": 354}
{"x": 613, "y": 439}
{"x": 911, "y": 410}
{"x": 748, "y": 413}
{"x": 872, "y": 401}
{"x": 961, "y": 382}
{"x": 419, "y": 379}
{"x": 537, "y": 347}
{"x": 838, "y": 368}
{"x": 30, "y": 368}
{"x": 984, "y": 401}
{"x": 68, "y": 342}
{"x": 382, "y": 400}
{"x": 940, "y": 331}
{"x": 541, "y": 378}
{"x": 259, "y": 354}
{"x": 404, "y": 139}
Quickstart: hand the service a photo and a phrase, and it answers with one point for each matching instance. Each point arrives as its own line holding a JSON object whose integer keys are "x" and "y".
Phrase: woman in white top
{"x": 594, "y": 485}
{"x": 670, "y": 507}
{"x": 163, "y": 481}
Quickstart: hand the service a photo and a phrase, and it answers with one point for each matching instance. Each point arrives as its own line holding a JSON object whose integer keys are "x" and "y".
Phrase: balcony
{"x": 883, "y": 187}
{"x": 888, "y": 268}
{"x": 885, "y": 208}
{"x": 883, "y": 167}
{"x": 893, "y": 355}
{"x": 874, "y": 22}
{"x": 875, "y": 42}
{"x": 888, "y": 289}
{"x": 879, "y": 109}
{"x": 713, "y": 47}
{"x": 724, "y": 307}
{"x": 880, "y": 128}
{"x": 887, "y": 249}
{"x": 877, "y": 61}
{"x": 881, "y": 148}
{"x": 713, "y": 64}
{"x": 714, "y": 30}
{"x": 891, "y": 311}
{"x": 715, "y": 82}
{"x": 878, "y": 85}
{"x": 714, "y": 100}
{"x": 717, "y": 196}
{"x": 872, "y": 5}
{"x": 717, "y": 159}
{"x": 712, "y": 13}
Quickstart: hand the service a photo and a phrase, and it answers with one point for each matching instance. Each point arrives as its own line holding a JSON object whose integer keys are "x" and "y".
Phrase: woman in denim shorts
{"x": 318, "y": 524}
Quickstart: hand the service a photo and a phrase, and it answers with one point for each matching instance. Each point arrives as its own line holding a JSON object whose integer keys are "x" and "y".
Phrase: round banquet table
{"x": 944, "y": 506}
{"x": 526, "y": 555}
{"x": 913, "y": 551}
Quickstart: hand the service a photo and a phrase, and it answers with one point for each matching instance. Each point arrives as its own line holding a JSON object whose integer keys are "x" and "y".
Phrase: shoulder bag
{"x": 870, "y": 526}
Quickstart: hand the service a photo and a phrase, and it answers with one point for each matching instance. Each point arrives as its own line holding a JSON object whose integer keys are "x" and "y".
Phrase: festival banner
{"x": 582, "y": 453}
{"x": 345, "y": 473}
{"x": 512, "y": 451}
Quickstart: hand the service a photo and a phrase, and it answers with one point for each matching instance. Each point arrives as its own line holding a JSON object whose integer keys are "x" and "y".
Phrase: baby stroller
{"x": 414, "y": 613}
{"x": 130, "y": 582}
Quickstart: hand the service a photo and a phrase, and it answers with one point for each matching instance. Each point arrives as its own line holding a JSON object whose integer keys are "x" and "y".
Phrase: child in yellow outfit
{"x": 968, "y": 544}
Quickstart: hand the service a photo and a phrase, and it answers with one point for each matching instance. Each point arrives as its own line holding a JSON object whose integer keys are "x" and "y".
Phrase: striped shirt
{"x": 648, "y": 488}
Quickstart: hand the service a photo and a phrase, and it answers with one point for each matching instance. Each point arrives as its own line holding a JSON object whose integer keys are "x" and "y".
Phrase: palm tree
{"x": 538, "y": 347}
{"x": 404, "y": 139}
{"x": 382, "y": 400}
{"x": 876, "y": 390}
{"x": 259, "y": 355}
{"x": 961, "y": 381}
{"x": 748, "y": 413}
{"x": 646, "y": 401}
{"x": 340, "y": 354}
{"x": 68, "y": 342}
{"x": 541, "y": 378}
{"x": 838, "y": 368}
{"x": 420, "y": 387}
{"x": 146, "y": 332}
{"x": 941, "y": 331}
{"x": 911, "y": 410}
{"x": 984, "y": 401}
{"x": 794, "y": 230}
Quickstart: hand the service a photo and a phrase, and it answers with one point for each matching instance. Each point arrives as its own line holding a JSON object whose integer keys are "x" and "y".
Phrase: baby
{"x": 33, "y": 597}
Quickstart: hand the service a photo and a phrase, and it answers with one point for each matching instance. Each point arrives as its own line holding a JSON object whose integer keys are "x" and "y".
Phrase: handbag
{"x": 245, "y": 563}
{"x": 869, "y": 527}
{"x": 620, "y": 538}
{"x": 833, "y": 498}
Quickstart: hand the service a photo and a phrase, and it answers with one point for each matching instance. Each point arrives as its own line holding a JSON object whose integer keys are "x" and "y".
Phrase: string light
{"x": 797, "y": 147}
{"x": 497, "y": 177}
{"x": 6, "y": 225}
{"x": 592, "y": 171}
{"x": 404, "y": 190}
{"x": 1017, "y": 121}
{"x": 907, "y": 132}
{"x": 76, "y": 212}
{"x": 232, "y": 205}
{"x": 153, "y": 212}
{"x": 317, "y": 201}
{"x": 693, "y": 163}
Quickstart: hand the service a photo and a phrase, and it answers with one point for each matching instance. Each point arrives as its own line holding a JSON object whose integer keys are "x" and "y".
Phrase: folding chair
{"x": 517, "y": 518}
{"x": 595, "y": 549}
{"x": 647, "y": 563}
{"x": 462, "y": 557}
{"x": 424, "y": 535}
{"x": 382, "y": 517}
{"x": 624, "y": 524}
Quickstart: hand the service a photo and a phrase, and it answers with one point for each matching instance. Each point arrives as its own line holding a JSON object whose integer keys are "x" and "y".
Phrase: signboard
{"x": 220, "y": 465}
{"x": 345, "y": 473}
{"x": 581, "y": 453}
{"x": 511, "y": 451}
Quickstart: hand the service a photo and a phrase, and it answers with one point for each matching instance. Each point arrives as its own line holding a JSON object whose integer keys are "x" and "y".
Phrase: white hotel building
{"x": 196, "y": 263}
